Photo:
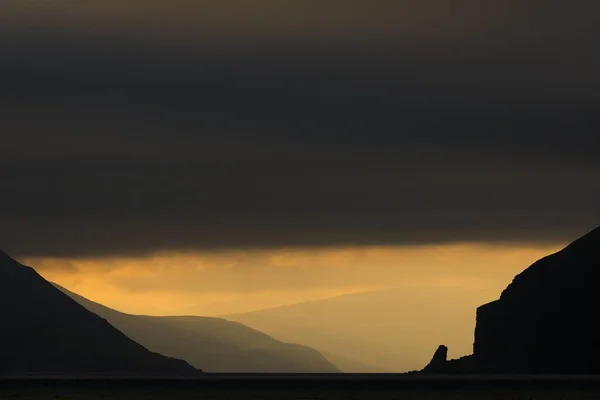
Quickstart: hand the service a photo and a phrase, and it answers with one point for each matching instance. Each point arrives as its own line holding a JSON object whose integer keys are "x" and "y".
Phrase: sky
{"x": 230, "y": 282}
{"x": 215, "y": 157}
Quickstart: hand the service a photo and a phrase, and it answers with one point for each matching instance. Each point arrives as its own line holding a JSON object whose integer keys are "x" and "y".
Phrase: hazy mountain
{"x": 213, "y": 344}
{"x": 383, "y": 331}
{"x": 44, "y": 331}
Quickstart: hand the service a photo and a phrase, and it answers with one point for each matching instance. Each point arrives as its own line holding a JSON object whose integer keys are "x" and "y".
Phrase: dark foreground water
{"x": 303, "y": 386}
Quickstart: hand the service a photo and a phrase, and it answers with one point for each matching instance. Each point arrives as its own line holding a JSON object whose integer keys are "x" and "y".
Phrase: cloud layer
{"x": 124, "y": 135}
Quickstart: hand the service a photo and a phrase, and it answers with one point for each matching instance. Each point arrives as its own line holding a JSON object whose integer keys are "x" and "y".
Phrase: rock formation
{"x": 545, "y": 321}
{"x": 438, "y": 361}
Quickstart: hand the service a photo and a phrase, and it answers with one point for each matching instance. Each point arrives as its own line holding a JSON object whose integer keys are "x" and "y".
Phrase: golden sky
{"x": 216, "y": 283}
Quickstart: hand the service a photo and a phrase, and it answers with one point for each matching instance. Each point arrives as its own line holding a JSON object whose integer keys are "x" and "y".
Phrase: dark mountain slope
{"x": 545, "y": 321}
{"x": 45, "y": 331}
{"x": 215, "y": 344}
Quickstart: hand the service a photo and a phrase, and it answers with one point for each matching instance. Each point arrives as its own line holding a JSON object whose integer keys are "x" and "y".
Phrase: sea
{"x": 301, "y": 387}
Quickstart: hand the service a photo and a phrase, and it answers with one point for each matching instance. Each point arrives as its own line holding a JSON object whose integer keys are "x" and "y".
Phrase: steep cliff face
{"x": 546, "y": 320}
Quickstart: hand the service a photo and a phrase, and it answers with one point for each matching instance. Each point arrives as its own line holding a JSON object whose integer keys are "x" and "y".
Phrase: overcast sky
{"x": 185, "y": 125}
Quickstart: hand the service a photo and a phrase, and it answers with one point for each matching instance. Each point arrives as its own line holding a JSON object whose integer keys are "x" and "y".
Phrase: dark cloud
{"x": 113, "y": 144}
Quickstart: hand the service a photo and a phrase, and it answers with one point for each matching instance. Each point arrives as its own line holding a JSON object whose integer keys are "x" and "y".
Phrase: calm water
{"x": 305, "y": 387}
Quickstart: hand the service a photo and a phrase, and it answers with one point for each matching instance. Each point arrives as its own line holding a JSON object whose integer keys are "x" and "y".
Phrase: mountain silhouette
{"x": 43, "y": 331}
{"x": 214, "y": 344}
{"x": 545, "y": 321}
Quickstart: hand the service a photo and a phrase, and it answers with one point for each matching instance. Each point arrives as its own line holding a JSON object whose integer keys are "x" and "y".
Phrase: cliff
{"x": 545, "y": 320}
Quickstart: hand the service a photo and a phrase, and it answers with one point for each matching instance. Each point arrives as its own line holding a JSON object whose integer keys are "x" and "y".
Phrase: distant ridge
{"x": 43, "y": 331}
{"x": 373, "y": 331}
{"x": 215, "y": 344}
